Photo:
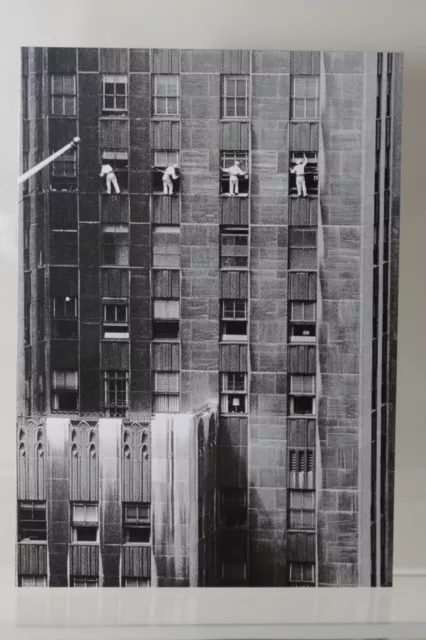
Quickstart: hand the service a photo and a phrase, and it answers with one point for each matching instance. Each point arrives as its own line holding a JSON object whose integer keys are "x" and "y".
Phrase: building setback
{"x": 208, "y": 380}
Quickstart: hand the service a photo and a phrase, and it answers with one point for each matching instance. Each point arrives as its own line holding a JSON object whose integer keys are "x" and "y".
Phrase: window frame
{"x": 110, "y": 376}
{"x": 173, "y": 255}
{"x": 314, "y": 100}
{"x": 303, "y": 581}
{"x": 65, "y": 390}
{"x": 234, "y": 255}
{"x": 227, "y": 159}
{"x": 167, "y": 97}
{"x": 108, "y": 326}
{"x": 34, "y": 578}
{"x": 114, "y": 79}
{"x": 169, "y": 398}
{"x": 84, "y": 581}
{"x": 63, "y": 95}
{"x": 228, "y": 394}
{"x": 311, "y": 173}
{"x": 125, "y": 580}
{"x": 121, "y": 250}
{"x": 61, "y": 179}
{"x": 84, "y": 523}
{"x": 301, "y": 468}
{"x": 139, "y": 523}
{"x": 231, "y": 98}
{"x": 33, "y": 506}
{"x": 302, "y": 509}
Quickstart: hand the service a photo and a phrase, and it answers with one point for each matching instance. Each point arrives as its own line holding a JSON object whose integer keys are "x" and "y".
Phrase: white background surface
{"x": 387, "y": 25}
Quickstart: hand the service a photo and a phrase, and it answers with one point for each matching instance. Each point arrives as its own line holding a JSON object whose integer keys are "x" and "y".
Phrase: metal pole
{"x": 47, "y": 161}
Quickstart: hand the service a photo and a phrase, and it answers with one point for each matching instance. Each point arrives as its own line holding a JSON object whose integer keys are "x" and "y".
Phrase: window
{"x": 32, "y": 521}
{"x": 301, "y": 469}
{"x": 233, "y": 507}
{"x": 115, "y": 324}
{"x": 84, "y": 581}
{"x": 234, "y": 247}
{"x": 137, "y": 523}
{"x": 115, "y": 244}
{"x": 235, "y": 97}
{"x": 63, "y": 91}
{"x": 63, "y": 176}
{"x": 166, "y": 246}
{"x": 234, "y": 320}
{"x": 64, "y": 390}
{"x": 85, "y": 522}
{"x": 302, "y": 392}
{"x": 302, "y": 574}
{"x": 33, "y": 581}
{"x": 136, "y": 582}
{"x": 64, "y": 315}
{"x": 302, "y": 246}
{"x": 310, "y": 174}
{"x": 28, "y": 396}
{"x": 165, "y": 330}
{"x": 302, "y": 509}
{"x": 166, "y": 309}
{"x": 166, "y": 95}
{"x": 116, "y": 392}
{"x": 234, "y": 393}
{"x": 229, "y": 159}
{"x": 389, "y": 94}
{"x": 119, "y": 161}
{"x": 304, "y": 97}
{"x": 115, "y": 94}
{"x": 166, "y": 392}
{"x": 24, "y": 97}
{"x": 162, "y": 160}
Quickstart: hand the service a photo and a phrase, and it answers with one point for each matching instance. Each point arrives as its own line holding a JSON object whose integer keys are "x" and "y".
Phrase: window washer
{"x": 111, "y": 178}
{"x": 234, "y": 172}
{"x": 169, "y": 174}
{"x": 299, "y": 170}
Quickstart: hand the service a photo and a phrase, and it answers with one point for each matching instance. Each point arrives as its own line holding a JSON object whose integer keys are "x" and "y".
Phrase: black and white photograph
{"x": 208, "y": 303}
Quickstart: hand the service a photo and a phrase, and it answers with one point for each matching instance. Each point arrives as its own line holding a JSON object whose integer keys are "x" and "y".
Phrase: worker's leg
{"x": 237, "y": 185}
{"x": 115, "y": 183}
{"x": 165, "y": 189}
{"x": 299, "y": 186}
{"x": 304, "y": 190}
{"x": 232, "y": 181}
{"x": 108, "y": 182}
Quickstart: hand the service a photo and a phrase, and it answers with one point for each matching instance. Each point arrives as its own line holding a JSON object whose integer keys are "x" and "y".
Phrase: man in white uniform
{"x": 111, "y": 179}
{"x": 169, "y": 174}
{"x": 234, "y": 172}
{"x": 299, "y": 170}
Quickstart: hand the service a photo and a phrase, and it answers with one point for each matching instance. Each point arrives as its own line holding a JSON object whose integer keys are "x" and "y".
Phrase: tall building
{"x": 208, "y": 380}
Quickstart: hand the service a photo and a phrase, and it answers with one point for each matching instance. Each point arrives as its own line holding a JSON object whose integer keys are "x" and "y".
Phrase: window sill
{"x": 38, "y": 542}
{"x": 237, "y": 195}
{"x": 310, "y": 195}
{"x": 225, "y": 340}
{"x": 235, "y": 119}
{"x": 161, "y": 118}
{"x": 114, "y": 115}
{"x": 162, "y": 340}
{"x": 84, "y": 544}
{"x": 234, "y": 415}
{"x": 166, "y": 195}
{"x": 303, "y": 340}
{"x": 146, "y": 545}
{"x": 309, "y": 416}
{"x": 115, "y": 339}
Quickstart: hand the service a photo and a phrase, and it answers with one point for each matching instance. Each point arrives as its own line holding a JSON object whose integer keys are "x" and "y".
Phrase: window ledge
{"x": 146, "y": 545}
{"x": 234, "y": 415}
{"x": 38, "y": 542}
{"x": 118, "y": 115}
{"x": 236, "y": 119}
{"x": 84, "y": 544}
{"x": 165, "y": 117}
{"x": 238, "y": 195}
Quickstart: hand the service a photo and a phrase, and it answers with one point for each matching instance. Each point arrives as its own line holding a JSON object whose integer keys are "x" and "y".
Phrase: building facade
{"x": 208, "y": 380}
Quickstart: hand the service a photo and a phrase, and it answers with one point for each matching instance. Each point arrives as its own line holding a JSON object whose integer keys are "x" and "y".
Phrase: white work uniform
{"x": 108, "y": 171}
{"x": 168, "y": 175}
{"x": 299, "y": 170}
{"x": 234, "y": 172}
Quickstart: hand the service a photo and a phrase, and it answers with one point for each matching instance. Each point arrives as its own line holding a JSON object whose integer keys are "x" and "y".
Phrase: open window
{"x": 115, "y": 94}
{"x": 233, "y": 393}
{"x": 302, "y": 321}
{"x": 65, "y": 390}
{"x": 85, "y": 522}
{"x": 234, "y": 247}
{"x": 119, "y": 162}
{"x": 309, "y": 173}
{"x": 162, "y": 161}
{"x": 115, "y": 244}
{"x": 234, "y": 183}
{"x": 64, "y": 317}
{"x": 137, "y": 523}
{"x": 63, "y": 172}
{"x": 32, "y": 525}
{"x": 165, "y": 329}
{"x": 234, "y": 320}
{"x": 166, "y": 392}
{"x": 115, "y": 324}
{"x": 302, "y": 395}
